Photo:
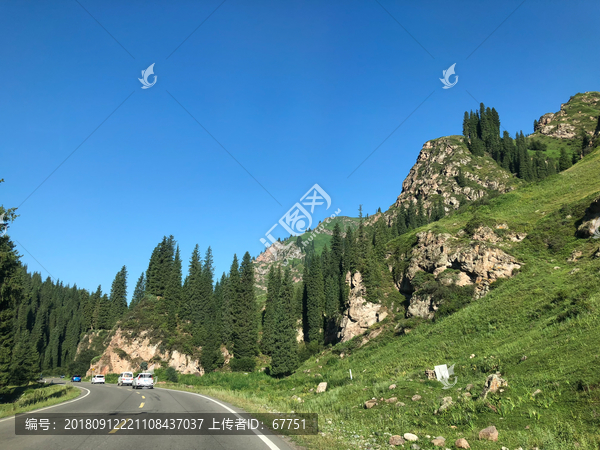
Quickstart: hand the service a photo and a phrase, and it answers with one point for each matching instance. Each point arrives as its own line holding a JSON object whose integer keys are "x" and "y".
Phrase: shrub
{"x": 171, "y": 374}
{"x": 247, "y": 364}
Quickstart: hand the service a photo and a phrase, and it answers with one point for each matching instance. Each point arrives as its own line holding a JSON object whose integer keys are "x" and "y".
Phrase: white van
{"x": 125, "y": 378}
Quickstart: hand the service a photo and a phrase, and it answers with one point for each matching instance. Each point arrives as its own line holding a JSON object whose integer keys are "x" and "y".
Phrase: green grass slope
{"x": 549, "y": 312}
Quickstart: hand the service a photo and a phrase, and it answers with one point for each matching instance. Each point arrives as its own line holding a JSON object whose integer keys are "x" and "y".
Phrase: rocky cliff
{"x": 579, "y": 113}
{"x": 459, "y": 260}
{"x": 435, "y": 175}
{"x": 125, "y": 354}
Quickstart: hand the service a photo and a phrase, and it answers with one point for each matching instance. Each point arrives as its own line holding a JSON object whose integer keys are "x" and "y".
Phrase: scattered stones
{"x": 574, "y": 271}
{"x": 411, "y": 437}
{"x": 446, "y": 403}
{"x": 575, "y": 255}
{"x": 342, "y": 355}
{"x": 416, "y": 397}
{"x": 311, "y": 389}
{"x": 430, "y": 374}
{"x": 524, "y": 358}
{"x": 370, "y": 403}
{"x": 527, "y": 427}
{"x": 489, "y": 433}
{"x": 462, "y": 443}
{"x": 492, "y": 384}
{"x": 439, "y": 441}
{"x": 392, "y": 400}
{"x": 400, "y": 404}
{"x": 556, "y": 267}
{"x": 392, "y": 386}
{"x": 298, "y": 399}
{"x": 467, "y": 394}
{"x": 537, "y": 391}
{"x": 415, "y": 447}
{"x": 397, "y": 440}
{"x": 469, "y": 387}
{"x": 322, "y": 387}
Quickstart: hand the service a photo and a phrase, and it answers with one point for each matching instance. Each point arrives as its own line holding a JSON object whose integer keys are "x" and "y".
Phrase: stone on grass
{"x": 446, "y": 403}
{"x": 492, "y": 384}
{"x": 537, "y": 391}
{"x": 397, "y": 440}
{"x": 322, "y": 387}
{"x": 430, "y": 374}
{"x": 370, "y": 403}
{"x": 462, "y": 443}
{"x": 415, "y": 447}
{"x": 524, "y": 358}
{"x": 411, "y": 437}
{"x": 416, "y": 397}
{"x": 400, "y": 404}
{"x": 439, "y": 441}
{"x": 392, "y": 400}
{"x": 469, "y": 387}
{"x": 392, "y": 386}
{"x": 489, "y": 433}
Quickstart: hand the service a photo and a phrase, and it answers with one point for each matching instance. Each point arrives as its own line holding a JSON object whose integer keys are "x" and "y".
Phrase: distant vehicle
{"x": 76, "y": 378}
{"x": 125, "y": 378}
{"x": 98, "y": 379}
{"x": 62, "y": 376}
{"x": 143, "y": 380}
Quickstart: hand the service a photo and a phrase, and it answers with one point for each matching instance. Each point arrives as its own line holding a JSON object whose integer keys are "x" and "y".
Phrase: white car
{"x": 125, "y": 378}
{"x": 142, "y": 380}
{"x": 98, "y": 379}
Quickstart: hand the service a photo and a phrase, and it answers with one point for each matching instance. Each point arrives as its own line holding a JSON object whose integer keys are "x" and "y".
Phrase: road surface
{"x": 111, "y": 398}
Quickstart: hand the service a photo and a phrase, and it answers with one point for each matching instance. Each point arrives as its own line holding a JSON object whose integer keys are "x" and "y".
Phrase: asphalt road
{"x": 111, "y": 398}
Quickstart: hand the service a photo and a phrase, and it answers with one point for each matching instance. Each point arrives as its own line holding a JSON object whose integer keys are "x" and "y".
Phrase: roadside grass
{"x": 19, "y": 399}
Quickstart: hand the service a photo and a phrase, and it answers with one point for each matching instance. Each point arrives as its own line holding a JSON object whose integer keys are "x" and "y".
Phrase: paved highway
{"x": 111, "y": 398}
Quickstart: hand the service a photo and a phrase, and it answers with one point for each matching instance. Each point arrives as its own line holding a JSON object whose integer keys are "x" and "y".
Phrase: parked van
{"x": 125, "y": 378}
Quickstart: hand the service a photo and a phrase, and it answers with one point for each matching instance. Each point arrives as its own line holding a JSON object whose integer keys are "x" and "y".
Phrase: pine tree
{"x": 315, "y": 301}
{"x": 173, "y": 292}
{"x": 192, "y": 292}
{"x": 11, "y": 293}
{"x": 118, "y": 296}
{"x": 268, "y": 328}
{"x": 401, "y": 221}
{"x": 245, "y": 326}
{"x": 565, "y": 161}
{"x": 138, "y": 292}
{"x": 284, "y": 348}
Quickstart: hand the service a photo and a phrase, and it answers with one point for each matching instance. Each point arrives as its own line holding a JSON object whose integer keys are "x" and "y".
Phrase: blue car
{"x": 76, "y": 378}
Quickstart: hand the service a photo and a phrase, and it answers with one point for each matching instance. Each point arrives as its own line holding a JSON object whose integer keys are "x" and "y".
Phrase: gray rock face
{"x": 434, "y": 175}
{"x": 478, "y": 263}
{"x": 360, "y": 314}
{"x": 591, "y": 221}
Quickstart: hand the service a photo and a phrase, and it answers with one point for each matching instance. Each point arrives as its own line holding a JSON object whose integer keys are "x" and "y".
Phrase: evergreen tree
{"x": 245, "y": 326}
{"x": 401, "y": 221}
{"x": 268, "y": 328}
{"x": 138, "y": 292}
{"x": 315, "y": 301}
{"x": 173, "y": 292}
{"x": 190, "y": 308}
{"x": 565, "y": 161}
{"x": 284, "y": 347}
{"x": 118, "y": 296}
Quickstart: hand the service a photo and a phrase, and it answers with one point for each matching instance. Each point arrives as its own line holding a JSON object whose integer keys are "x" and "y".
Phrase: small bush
{"x": 243, "y": 364}
{"x": 171, "y": 374}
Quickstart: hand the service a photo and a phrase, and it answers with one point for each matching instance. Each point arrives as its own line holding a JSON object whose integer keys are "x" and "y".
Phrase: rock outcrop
{"x": 476, "y": 263}
{"x": 360, "y": 314}
{"x": 435, "y": 174}
{"x": 591, "y": 221}
{"x": 125, "y": 354}
{"x": 579, "y": 113}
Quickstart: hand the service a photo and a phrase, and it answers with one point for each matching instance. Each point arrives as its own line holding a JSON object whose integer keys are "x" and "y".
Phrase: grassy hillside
{"x": 548, "y": 312}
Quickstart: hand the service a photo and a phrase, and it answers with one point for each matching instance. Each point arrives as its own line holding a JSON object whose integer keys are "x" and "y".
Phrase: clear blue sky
{"x": 298, "y": 92}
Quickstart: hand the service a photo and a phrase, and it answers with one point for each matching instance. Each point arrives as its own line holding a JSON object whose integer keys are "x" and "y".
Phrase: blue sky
{"x": 298, "y": 92}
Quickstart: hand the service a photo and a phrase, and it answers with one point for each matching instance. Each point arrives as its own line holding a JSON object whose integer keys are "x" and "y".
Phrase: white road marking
{"x": 262, "y": 437}
{"x": 53, "y": 406}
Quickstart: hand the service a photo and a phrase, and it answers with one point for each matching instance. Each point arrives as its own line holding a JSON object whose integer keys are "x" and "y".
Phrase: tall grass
{"x": 19, "y": 399}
